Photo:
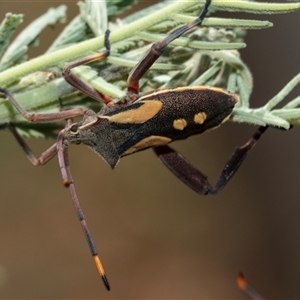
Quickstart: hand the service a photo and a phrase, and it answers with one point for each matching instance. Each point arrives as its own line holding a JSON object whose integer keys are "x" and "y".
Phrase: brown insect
{"x": 137, "y": 123}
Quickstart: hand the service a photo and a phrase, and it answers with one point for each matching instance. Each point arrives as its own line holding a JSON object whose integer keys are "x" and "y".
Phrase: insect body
{"x": 137, "y": 123}
{"x": 155, "y": 119}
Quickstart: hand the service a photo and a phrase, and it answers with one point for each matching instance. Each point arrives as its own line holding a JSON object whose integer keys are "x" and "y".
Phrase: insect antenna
{"x": 155, "y": 52}
{"x": 62, "y": 153}
{"x": 180, "y": 31}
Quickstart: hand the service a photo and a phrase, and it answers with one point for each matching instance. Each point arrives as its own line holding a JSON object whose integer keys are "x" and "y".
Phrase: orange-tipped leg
{"x": 101, "y": 271}
{"x": 244, "y": 286}
{"x": 69, "y": 183}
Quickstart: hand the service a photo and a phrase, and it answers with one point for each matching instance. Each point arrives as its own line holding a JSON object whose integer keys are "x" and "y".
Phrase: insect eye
{"x": 74, "y": 128}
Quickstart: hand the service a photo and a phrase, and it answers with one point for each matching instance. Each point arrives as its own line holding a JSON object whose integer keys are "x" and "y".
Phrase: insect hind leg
{"x": 195, "y": 179}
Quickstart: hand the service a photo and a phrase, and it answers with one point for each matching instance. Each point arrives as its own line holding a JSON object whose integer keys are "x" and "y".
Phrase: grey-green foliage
{"x": 190, "y": 60}
{"x": 7, "y": 29}
{"x": 115, "y": 7}
{"x": 18, "y": 48}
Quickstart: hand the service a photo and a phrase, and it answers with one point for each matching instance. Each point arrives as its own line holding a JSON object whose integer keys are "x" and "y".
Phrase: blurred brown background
{"x": 156, "y": 237}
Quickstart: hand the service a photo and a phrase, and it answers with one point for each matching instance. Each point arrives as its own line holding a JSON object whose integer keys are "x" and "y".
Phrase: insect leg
{"x": 45, "y": 156}
{"x": 42, "y": 117}
{"x": 249, "y": 290}
{"x": 68, "y": 182}
{"x": 197, "y": 180}
{"x": 37, "y": 117}
{"x": 155, "y": 52}
{"x": 81, "y": 85}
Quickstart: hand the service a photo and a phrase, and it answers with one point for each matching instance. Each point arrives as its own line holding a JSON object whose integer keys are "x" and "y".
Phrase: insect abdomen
{"x": 189, "y": 111}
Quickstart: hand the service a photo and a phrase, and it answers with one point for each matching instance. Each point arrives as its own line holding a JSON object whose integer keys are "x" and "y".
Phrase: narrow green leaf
{"x": 73, "y": 33}
{"x": 94, "y": 13}
{"x": 7, "y": 28}
{"x": 115, "y": 7}
{"x": 256, "y": 7}
{"x": 20, "y": 45}
{"x": 193, "y": 44}
{"x": 227, "y": 23}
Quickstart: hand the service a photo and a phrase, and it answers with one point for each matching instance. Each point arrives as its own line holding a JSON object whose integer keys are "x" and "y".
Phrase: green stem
{"x": 60, "y": 57}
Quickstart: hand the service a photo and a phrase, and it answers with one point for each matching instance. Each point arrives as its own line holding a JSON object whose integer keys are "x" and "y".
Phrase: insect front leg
{"x": 197, "y": 180}
{"x": 81, "y": 85}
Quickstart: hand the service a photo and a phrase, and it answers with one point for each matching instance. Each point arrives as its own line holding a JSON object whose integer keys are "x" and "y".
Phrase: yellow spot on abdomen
{"x": 150, "y": 141}
{"x": 140, "y": 115}
{"x": 179, "y": 124}
{"x": 200, "y": 117}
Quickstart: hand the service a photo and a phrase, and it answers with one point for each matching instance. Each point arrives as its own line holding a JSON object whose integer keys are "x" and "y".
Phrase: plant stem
{"x": 60, "y": 57}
